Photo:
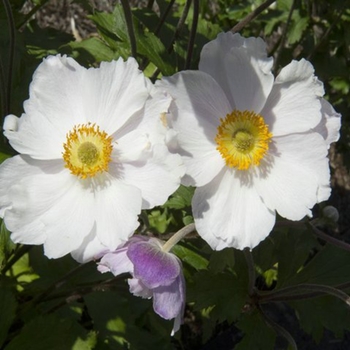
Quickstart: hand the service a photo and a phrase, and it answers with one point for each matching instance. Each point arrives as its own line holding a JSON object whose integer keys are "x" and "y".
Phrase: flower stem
{"x": 22, "y": 250}
{"x": 163, "y": 17}
{"x": 12, "y": 28}
{"x": 329, "y": 239}
{"x": 61, "y": 281}
{"x": 30, "y": 14}
{"x": 173, "y": 240}
{"x": 130, "y": 26}
{"x": 3, "y": 92}
{"x": 294, "y": 292}
{"x": 283, "y": 37}
{"x": 178, "y": 29}
{"x": 180, "y": 24}
{"x": 328, "y": 31}
{"x": 251, "y": 271}
{"x": 241, "y": 24}
{"x": 278, "y": 329}
{"x": 192, "y": 34}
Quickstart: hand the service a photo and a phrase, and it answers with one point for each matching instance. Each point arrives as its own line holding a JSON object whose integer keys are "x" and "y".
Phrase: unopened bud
{"x": 331, "y": 213}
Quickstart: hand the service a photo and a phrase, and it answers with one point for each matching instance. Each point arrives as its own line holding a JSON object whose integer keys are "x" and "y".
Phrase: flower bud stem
{"x": 173, "y": 240}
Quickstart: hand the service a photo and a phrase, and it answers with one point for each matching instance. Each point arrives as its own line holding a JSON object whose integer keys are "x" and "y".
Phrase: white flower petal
{"x": 199, "y": 105}
{"x": 117, "y": 206}
{"x": 131, "y": 147}
{"x": 90, "y": 249}
{"x": 330, "y": 124}
{"x": 28, "y": 188}
{"x": 242, "y": 69}
{"x": 157, "y": 178}
{"x": 113, "y": 93}
{"x": 64, "y": 94}
{"x": 70, "y": 220}
{"x": 54, "y": 106}
{"x": 153, "y": 122}
{"x": 299, "y": 168}
{"x": 230, "y": 213}
{"x": 294, "y": 103}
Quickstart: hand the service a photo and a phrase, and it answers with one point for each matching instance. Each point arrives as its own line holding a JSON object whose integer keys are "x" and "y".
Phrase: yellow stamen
{"x": 243, "y": 139}
{"x": 87, "y": 150}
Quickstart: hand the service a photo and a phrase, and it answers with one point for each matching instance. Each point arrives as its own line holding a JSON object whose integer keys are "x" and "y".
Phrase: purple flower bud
{"x": 156, "y": 274}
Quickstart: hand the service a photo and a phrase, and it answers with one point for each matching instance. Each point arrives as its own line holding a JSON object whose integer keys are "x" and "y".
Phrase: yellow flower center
{"x": 87, "y": 150}
{"x": 243, "y": 139}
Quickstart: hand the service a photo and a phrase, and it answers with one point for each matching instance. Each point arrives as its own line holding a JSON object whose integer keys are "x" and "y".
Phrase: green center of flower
{"x": 88, "y": 153}
{"x": 87, "y": 150}
{"x": 243, "y": 139}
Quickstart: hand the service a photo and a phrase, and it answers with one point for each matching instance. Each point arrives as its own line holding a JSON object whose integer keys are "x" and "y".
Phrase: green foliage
{"x": 330, "y": 266}
{"x": 6, "y": 245}
{"x": 224, "y": 293}
{"x": 323, "y": 312}
{"x": 180, "y": 199}
{"x": 190, "y": 255}
{"x": 50, "y": 332}
{"x": 8, "y": 305}
{"x": 257, "y": 334}
{"x": 119, "y": 322}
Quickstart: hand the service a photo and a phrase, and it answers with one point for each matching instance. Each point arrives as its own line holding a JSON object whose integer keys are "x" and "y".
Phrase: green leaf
{"x": 105, "y": 23}
{"x": 147, "y": 43}
{"x": 159, "y": 220}
{"x": 265, "y": 254}
{"x": 4, "y": 156}
{"x": 181, "y": 198}
{"x": 92, "y": 50}
{"x": 190, "y": 256}
{"x": 297, "y": 27}
{"x": 293, "y": 250}
{"x": 219, "y": 260}
{"x": 23, "y": 272}
{"x": 323, "y": 312}
{"x": 120, "y": 321}
{"x": 257, "y": 335}
{"x": 51, "y": 332}
{"x": 226, "y": 293}
{"x": 330, "y": 266}
{"x": 8, "y": 307}
{"x": 6, "y": 244}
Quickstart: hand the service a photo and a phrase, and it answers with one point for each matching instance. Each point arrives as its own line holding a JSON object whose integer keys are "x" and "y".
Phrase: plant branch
{"x": 241, "y": 24}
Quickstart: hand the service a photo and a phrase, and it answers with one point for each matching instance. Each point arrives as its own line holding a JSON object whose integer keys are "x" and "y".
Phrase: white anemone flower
{"x": 253, "y": 144}
{"x": 92, "y": 155}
